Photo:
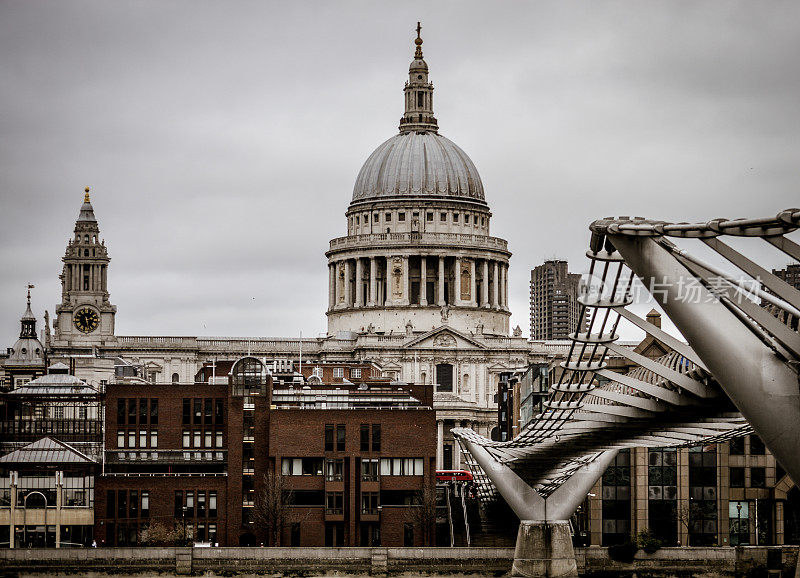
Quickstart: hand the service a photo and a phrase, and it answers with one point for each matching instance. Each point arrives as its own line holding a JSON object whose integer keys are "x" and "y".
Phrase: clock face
{"x": 86, "y": 320}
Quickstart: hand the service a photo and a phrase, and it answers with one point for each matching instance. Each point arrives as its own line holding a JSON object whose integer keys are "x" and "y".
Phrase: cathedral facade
{"x": 418, "y": 286}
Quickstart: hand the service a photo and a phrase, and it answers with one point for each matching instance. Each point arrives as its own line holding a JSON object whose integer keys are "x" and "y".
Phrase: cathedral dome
{"x": 418, "y": 164}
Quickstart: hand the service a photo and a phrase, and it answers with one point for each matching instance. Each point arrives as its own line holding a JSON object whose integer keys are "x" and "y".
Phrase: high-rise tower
{"x": 85, "y": 316}
{"x": 418, "y": 254}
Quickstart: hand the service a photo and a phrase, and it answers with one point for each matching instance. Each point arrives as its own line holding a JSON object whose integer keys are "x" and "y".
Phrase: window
{"x": 329, "y": 437}
{"x": 455, "y": 217}
{"x": 212, "y": 504}
{"x": 178, "y": 504}
{"x": 340, "y": 437}
{"x": 207, "y": 439}
{"x": 175, "y": 378}
{"x": 198, "y": 411}
{"x": 131, "y": 411}
{"x": 187, "y": 411}
{"x": 301, "y": 466}
{"x": 122, "y": 504}
{"x": 388, "y": 217}
{"x": 739, "y": 523}
{"x": 376, "y": 217}
{"x": 401, "y": 467}
{"x": 376, "y": 437}
{"x": 358, "y": 220}
{"x": 334, "y": 503}
{"x": 153, "y": 412}
{"x": 401, "y": 217}
{"x": 338, "y": 372}
{"x": 121, "y": 438}
{"x": 212, "y": 533}
{"x": 334, "y": 470}
{"x": 190, "y": 504}
{"x": 758, "y": 478}
{"x": 196, "y": 438}
{"x": 408, "y": 535}
{"x": 466, "y": 219}
{"x": 111, "y": 504}
{"x": 737, "y": 477}
{"x": 369, "y": 470}
{"x": 201, "y": 504}
{"x": 145, "y": 510}
{"x": 736, "y": 446}
{"x": 443, "y": 217}
{"x": 366, "y": 219}
{"x": 218, "y": 412}
{"x": 369, "y": 503}
{"x": 142, "y": 411}
{"x": 364, "y": 437}
{"x": 120, "y": 412}
{"x": 429, "y": 217}
{"x": 187, "y": 438}
{"x": 142, "y": 438}
{"x": 207, "y": 411}
{"x": 757, "y": 447}
{"x": 355, "y": 373}
{"x": 295, "y": 534}
{"x": 134, "y": 503}
{"x": 131, "y": 438}
{"x": 218, "y": 439}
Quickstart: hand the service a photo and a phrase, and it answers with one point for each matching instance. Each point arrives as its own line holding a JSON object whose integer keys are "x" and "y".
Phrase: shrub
{"x": 623, "y": 552}
{"x": 648, "y": 542}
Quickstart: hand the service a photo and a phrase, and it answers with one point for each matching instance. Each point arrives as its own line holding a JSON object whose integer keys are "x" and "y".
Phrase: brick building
{"x": 352, "y": 458}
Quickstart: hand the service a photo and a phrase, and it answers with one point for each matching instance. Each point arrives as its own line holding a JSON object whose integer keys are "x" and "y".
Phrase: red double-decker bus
{"x": 453, "y": 476}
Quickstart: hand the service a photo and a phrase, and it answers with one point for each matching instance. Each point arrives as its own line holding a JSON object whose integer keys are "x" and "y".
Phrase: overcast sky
{"x": 222, "y": 139}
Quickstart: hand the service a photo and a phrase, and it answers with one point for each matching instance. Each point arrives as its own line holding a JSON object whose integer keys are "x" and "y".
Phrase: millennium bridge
{"x": 736, "y": 372}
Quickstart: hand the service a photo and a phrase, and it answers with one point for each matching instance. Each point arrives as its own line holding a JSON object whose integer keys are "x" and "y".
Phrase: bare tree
{"x": 160, "y": 534}
{"x": 272, "y": 506}
{"x": 423, "y": 512}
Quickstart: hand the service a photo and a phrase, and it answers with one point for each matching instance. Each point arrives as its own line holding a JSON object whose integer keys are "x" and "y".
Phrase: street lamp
{"x": 184, "y": 509}
{"x": 738, "y": 522}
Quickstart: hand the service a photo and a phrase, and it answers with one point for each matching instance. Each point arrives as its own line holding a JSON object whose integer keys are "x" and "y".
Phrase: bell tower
{"x": 85, "y": 315}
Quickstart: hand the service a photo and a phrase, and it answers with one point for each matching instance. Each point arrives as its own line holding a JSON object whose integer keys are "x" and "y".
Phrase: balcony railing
{"x": 379, "y": 239}
{"x": 166, "y": 456}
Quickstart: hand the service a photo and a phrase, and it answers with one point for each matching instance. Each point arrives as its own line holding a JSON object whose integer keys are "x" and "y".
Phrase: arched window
{"x": 86, "y": 238}
{"x": 465, "y": 382}
{"x": 175, "y": 378}
{"x": 248, "y": 376}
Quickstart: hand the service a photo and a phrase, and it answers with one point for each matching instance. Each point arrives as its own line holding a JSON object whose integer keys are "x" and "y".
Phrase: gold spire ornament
{"x": 418, "y": 42}
{"x": 86, "y": 195}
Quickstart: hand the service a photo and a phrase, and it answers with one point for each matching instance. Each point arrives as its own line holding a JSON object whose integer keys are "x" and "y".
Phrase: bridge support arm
{"x": 762, "y": 386}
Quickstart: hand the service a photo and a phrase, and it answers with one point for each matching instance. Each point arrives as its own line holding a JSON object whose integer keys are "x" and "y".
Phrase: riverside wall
{"x": 593, "y": 562}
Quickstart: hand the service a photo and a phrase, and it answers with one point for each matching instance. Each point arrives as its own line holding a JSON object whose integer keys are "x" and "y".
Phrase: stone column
{"x": 406, "y": 292}
{"x": 503, "y": 296}
{"x": 457, "y": 280}
{"x": 441, "y": 282}
{"x": 387, "y": 280}
{"x": 485, "y": 285}
{"x": 358, "y": 284}
{"x": 423, "y": 280}
{"x": 439, "y": 443}
{"x": 331, "y": 286}
{"x": 373, "y": 282}
{"x": 348, "y": 292}
{"x": 473, "y": 284}
{"x": 495, "y": 286}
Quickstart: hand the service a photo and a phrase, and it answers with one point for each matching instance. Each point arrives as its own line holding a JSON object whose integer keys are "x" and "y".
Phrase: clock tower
{"x": 85, "y": 317}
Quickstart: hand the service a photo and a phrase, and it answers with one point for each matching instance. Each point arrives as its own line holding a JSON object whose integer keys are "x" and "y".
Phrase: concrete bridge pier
{"x": 544, "y": 543}
{"x": 544, "y": 549}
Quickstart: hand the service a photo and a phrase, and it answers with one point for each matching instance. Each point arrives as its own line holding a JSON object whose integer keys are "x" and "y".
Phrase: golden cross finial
{"x": 418, "y": 42}
{"x": 86, "y": 195}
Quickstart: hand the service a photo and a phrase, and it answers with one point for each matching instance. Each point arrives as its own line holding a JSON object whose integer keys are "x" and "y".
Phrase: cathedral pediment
{"x": 443, "y": 338}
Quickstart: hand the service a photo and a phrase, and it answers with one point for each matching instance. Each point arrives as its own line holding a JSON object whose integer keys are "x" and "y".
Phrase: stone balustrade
{"x": 396, "y": 239}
